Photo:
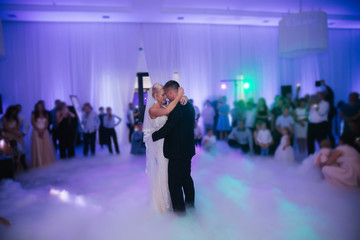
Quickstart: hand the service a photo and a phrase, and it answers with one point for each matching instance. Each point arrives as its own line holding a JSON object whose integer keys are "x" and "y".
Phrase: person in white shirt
{"x": 91, "y": 123}
{"x": 110, "y": 121}
{"x": 130, "y": 122}
{"x": 250, "y": 115}
{"x": 285, "y": 121}
{"x": 318, "y": 121}
{"x": 208, "y": 114}
{"x": 197, "y": 134}
{"x": 264, "y": 139}
{"x": 209, "y": 140}
{"x": 241, "y": 137}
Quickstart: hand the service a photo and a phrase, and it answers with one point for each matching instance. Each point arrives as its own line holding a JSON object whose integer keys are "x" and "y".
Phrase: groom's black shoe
{"x": 190, "y": 205}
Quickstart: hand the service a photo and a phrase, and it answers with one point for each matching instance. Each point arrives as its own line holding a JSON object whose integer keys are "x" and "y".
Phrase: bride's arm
{"x": 157, "y": 112}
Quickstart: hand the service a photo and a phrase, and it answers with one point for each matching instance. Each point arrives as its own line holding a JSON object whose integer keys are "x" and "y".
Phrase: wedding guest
{"x": 325, "y": 151}
{"x": 350, "y": 112}
{"x": 196, "y": 109}
{"x": 102, "y": 134}
{"x": 236, "y": 114}
{"x": 275, "y": 103}
{"x": 318, "y": 121}
{"x": 241, "y": 137}
{"x": 285, "y": 152}
{"x": 329, "y": 97}
{"x": 276, "y": 111}
{"x": 12, "y": 127}
{"x": 197, "y": 134}
{"x": 42, "y": 150}
{"x": 110, "y": 122}
{"x": 137, "y": 143}
{"x": 285, "y": 121}
{"x": 223, "y": 124}
{"x": 301, "y": 125}
{"x": 24, "y": 125}
{"x": 24, "y": 128}
{"x": 343, "y": 166}
{"x": 42, "y": 102}
{"x": 130, "y": 122}
{"x": 250, "y": 115}
{"x": 262, "y": 112}
{"x": 65, "y": 131}
{"x": 53, "y": 121}
{"x": 257, "y": 148}
{"x": 208, "y": 114}
{"x": 288, "y": 101}
{"x": 264, "y": 139}
{"x": 90, "y": 122}
{"x": 209, "y": 140}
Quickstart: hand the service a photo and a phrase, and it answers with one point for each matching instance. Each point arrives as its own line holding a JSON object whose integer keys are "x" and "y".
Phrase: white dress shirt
{"x": 130, "y": 113}
{"x": 110, "y": 123}
{"x": 264, "y": 136}
{"x": 320, "y": 115}
{"x": 23, "y": 124}
{"x": 91, "y": 122}
{"x": 285, "y": 121}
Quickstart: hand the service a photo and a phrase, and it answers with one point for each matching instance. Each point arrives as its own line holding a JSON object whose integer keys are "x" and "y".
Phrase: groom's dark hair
{"x": 172, "y": 85}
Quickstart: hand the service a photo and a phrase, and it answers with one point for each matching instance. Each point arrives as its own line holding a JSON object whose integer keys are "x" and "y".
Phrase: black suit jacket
{"x": 178, "y": 132}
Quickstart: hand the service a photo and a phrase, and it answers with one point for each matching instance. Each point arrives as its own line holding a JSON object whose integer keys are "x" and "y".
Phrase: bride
{"x": 156, "y": 164}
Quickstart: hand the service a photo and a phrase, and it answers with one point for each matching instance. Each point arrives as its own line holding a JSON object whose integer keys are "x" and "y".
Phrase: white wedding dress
{"x": 156, "y": 164}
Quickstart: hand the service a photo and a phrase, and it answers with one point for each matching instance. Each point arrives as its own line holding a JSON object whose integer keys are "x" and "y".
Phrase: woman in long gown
{"x": 156, "y": 163}
{"x": 343, "y": 166}
{"x": 42, "y": 149}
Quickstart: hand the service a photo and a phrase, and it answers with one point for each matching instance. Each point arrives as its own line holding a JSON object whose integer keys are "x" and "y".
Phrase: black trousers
{"x": 234, "y": 144}
{"x": 55, "y": 137}
{"x": 102, "y": 136}
{"x": 89, "y": 139}
{"x": 330, "y": 131}
{"x": 131, "y": 130}
{"x": 111, "y": 133}
{"x": 22, "y": 162}
{"x": 66, "y": 143}
{"x": 180, "y": 182}
{"x": 316, "y": 132}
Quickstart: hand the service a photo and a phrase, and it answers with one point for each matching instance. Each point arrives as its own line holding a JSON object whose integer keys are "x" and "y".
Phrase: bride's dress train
{"x": 157, "y": 166}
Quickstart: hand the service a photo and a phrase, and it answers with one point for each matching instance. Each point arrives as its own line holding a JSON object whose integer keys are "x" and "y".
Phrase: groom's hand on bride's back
{"x": 183, "y": 100}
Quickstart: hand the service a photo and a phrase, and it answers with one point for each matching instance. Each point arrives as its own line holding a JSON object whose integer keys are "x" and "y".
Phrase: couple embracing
{"x": 169, "y": 139}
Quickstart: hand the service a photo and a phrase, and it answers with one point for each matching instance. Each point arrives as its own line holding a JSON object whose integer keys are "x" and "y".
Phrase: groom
{"x": 179, "y": 148}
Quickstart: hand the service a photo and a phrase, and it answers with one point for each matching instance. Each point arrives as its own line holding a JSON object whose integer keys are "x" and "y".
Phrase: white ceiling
{"x": 341, "y": 14}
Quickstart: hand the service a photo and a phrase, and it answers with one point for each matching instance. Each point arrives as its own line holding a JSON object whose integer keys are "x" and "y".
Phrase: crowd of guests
{"x": 60, "y": 129}
{"x": 254, "y": 128}
{"x": 275, "y": 129}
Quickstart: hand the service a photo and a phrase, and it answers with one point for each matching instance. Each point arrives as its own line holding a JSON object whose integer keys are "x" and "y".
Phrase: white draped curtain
{"x": 98, "y": 62}
{"x": 203, "y": 55}
{"x": 95, "y": 61}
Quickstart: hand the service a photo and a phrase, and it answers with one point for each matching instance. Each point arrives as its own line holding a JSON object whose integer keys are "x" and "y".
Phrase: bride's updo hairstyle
{"x": 156, "y": 88}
